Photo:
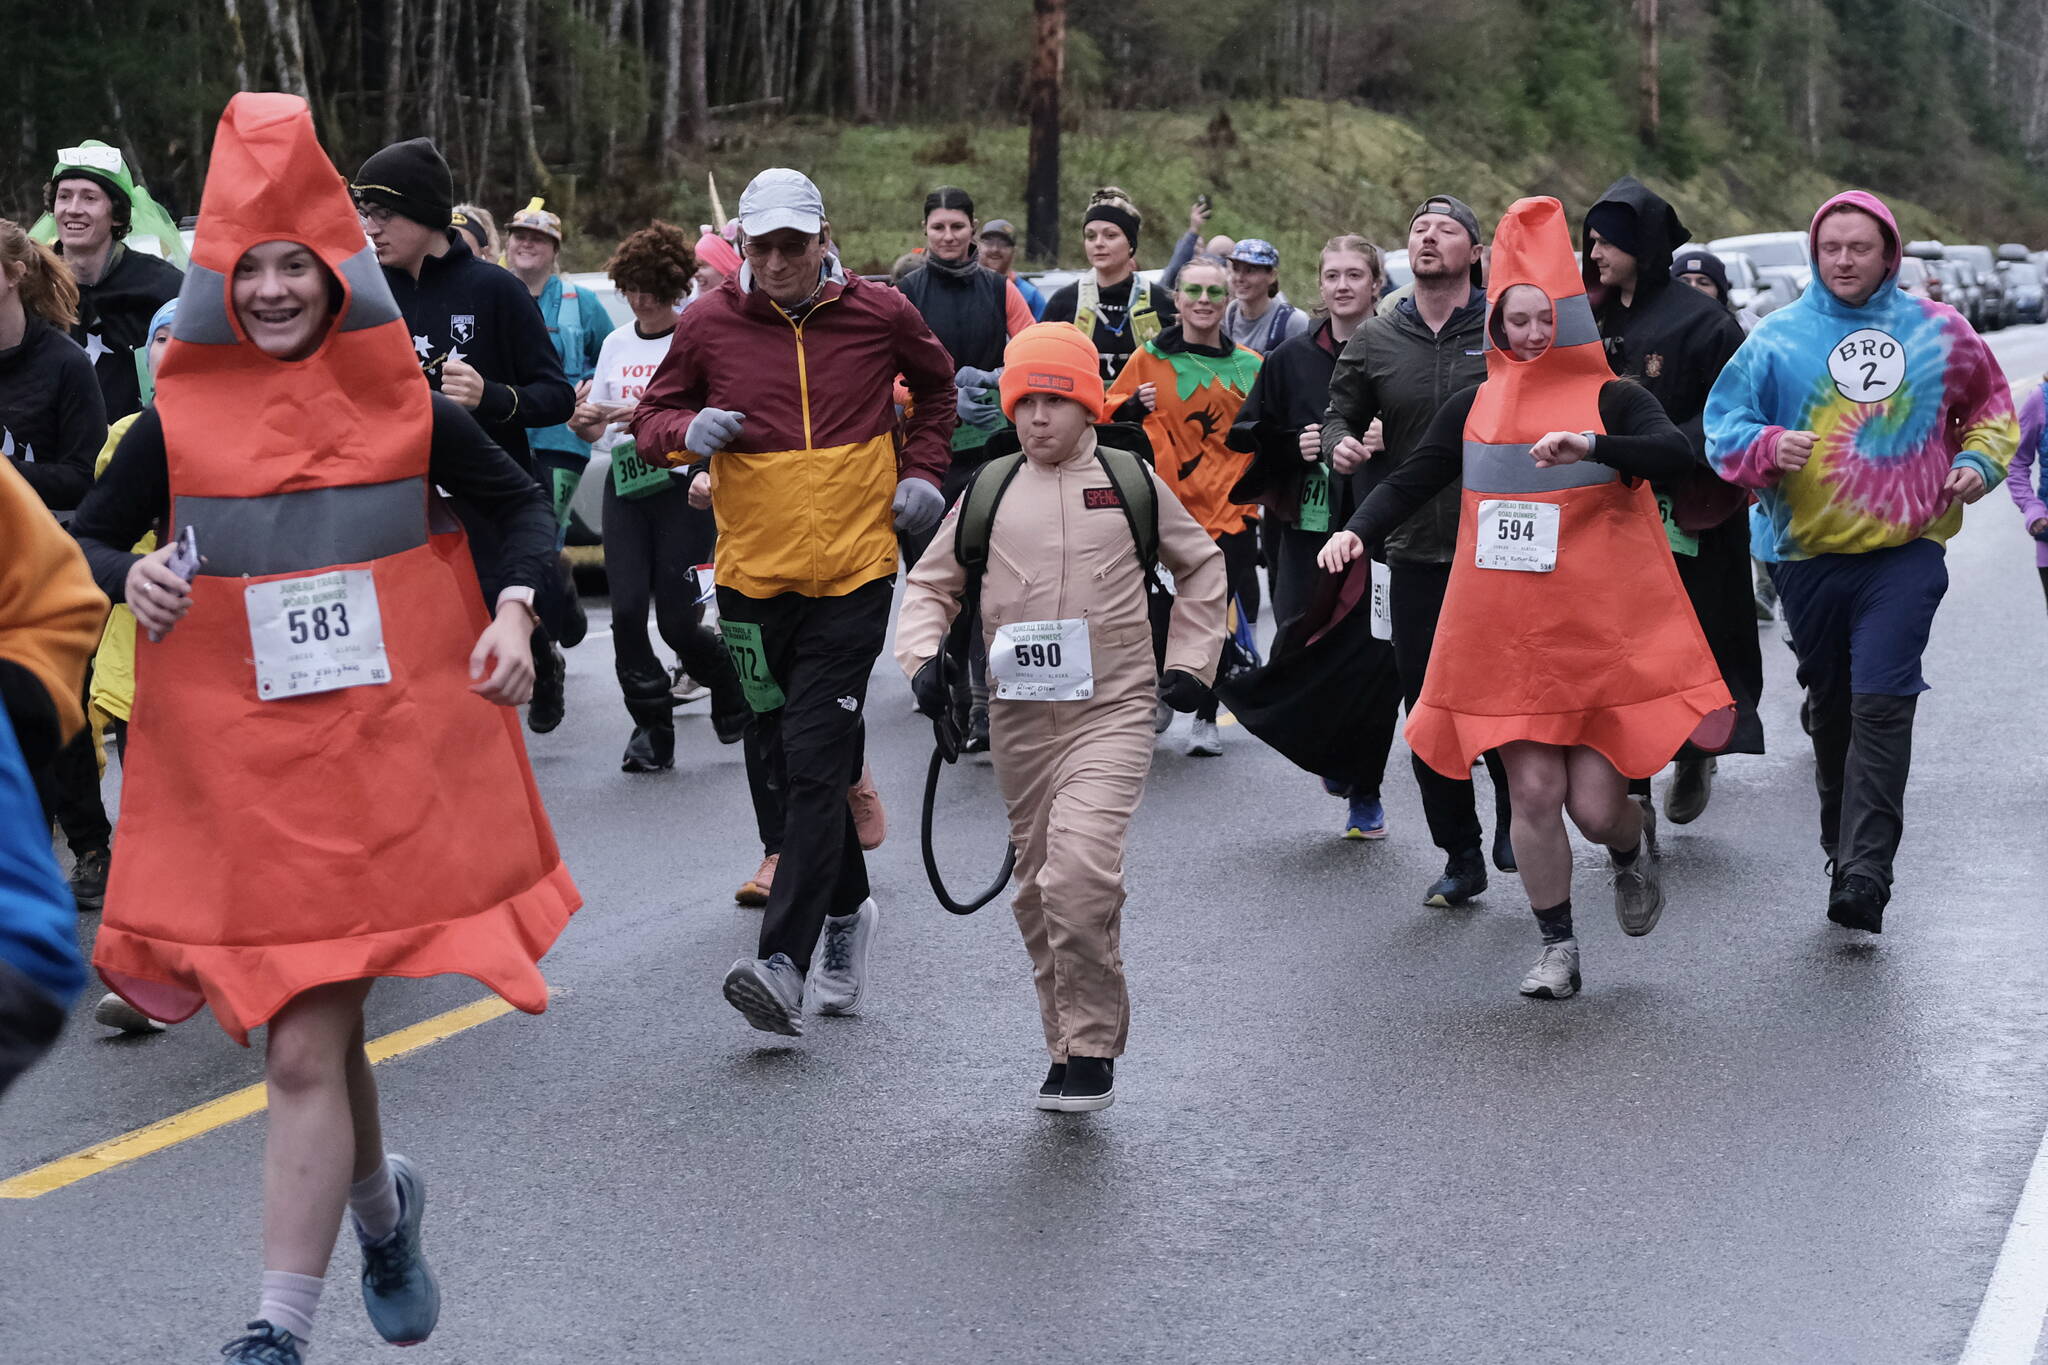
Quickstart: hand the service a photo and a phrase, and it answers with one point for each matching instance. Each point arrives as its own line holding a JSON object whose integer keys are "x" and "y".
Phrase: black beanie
{"x": 1616, "y": 222}
{"x": 409, "y": 178}
{"x": 1703, "y": 263}
{"x": 1118, "y": 216}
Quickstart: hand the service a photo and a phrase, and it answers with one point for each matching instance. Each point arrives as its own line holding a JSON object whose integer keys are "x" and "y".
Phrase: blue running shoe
{"x": 1367, "y": 819}
{"x": 264, "y": 1345}
{"x": 399, "y": 1291}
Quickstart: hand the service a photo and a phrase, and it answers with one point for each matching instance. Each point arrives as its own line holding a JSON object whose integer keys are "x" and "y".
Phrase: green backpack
{"x": 1127, "y": 474}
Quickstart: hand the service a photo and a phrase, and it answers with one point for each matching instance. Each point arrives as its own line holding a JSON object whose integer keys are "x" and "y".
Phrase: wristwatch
{"x": 524, "y": 597}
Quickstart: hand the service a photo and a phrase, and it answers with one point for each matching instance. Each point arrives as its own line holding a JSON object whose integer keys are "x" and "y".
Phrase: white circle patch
{"x": 1868, "y": 365}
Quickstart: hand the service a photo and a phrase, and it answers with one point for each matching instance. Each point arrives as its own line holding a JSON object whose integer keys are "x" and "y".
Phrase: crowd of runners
{"x": 323, "y": 469}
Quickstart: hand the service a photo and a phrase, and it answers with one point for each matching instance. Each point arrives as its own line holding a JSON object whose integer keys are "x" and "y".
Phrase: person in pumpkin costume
{"x": 354, "y": 801}
{"x": 1566, "y": 641}
{"x": 1187, "y": 385}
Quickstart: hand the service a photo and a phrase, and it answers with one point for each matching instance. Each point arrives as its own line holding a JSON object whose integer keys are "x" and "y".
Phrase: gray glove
{"x": 712, "y": 430}
{"x": 972, "y": 397}
{"x": 967, "y": 377}
{"x": 918, "y": 506}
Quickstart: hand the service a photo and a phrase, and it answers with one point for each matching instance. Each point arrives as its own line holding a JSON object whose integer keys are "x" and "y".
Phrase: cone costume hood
{"x": 1602, "y": 649}
{"x": 275, "y": 840}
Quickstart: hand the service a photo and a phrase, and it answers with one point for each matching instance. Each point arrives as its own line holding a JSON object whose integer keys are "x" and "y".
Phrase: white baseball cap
{"x": 781, "y": 198}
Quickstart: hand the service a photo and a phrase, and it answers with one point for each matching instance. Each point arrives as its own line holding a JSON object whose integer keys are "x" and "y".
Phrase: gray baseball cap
{"x": 780, "y": 198}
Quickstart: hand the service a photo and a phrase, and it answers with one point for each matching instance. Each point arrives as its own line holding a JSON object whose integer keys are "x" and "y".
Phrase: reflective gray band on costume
{"x": 370, "y": 302}
{"x": 1575, "y": 323}
{"x": 302, "y": 532}
{"x": 1508, "y": 469}
{"x": 203, "y": 309}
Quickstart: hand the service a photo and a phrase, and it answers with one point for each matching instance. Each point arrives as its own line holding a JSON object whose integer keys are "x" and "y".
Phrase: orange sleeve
{"x": 1015, "y": 310}
{"x": 51, "y": 614}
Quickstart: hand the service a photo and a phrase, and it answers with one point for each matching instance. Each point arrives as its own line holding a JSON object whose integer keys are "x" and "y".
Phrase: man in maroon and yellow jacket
{"x": 782, "y": 378}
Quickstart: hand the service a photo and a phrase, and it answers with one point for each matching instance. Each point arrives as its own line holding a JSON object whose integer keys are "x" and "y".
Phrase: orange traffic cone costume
{"x": 1602, "y": 649}
{"x": 387, "y": 828}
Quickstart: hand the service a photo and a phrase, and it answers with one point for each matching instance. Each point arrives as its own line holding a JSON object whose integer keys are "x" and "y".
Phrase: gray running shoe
{"x": 1205, "y": 740}
{"x": 399, "y": 1291}
{"x": 769, "y": 992}
{"x": 1692, "y": 786}
{"x": 840, "y": 975}
{"x": 1639, "y": 889}
{"x": 1556, "y": 974}
{"x": 115, "y": 1012}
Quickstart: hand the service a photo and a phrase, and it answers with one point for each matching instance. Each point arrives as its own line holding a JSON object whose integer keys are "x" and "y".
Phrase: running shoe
{"x": 840, "y": 975}
{"x": 1556, "y": 974}
{"x": 1205, "y": 740}
{"x": 1691, "y": 787}
{"x": 1638, "y": 889}
{"x": 89, "y": 879}
{"x": 263, "y": 1345}
{"x": 769, "y": 992}
{"x": 870, "y": 821}
{"x": 402, "y": 1297}
{"x": 1049, "y": 1093}
{"x": 1857, "y": 902}
{"x": 550, "y": 674}
{"x": 1464, "y": 877}
{"x": 1367, "y": 819}
{"x": 117, "y": 1013}
{"x": 755, "y": 892}
{"x": 1090, "y": 1084}
{"x": 686, "y": 689}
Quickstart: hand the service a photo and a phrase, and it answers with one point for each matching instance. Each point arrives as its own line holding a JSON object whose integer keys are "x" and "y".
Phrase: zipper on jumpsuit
{"x": 1059, "y": 709}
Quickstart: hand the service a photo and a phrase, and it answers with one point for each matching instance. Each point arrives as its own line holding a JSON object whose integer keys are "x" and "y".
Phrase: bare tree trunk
{"x": 521, "y": 12}
{"x": 1647, "y": 75}
{"x": 1813, "y": 56}
{"x": 895, "y": 49}
{"x": 287, "y": 48}
{"x": 1042, "y": 181}
{"x": 2037, "y": 107}
{"x": 439, "y": 42}
{"x": 240, "y": 48}
{"x": 857, "y": 41}
{"x": 696, "y": 82}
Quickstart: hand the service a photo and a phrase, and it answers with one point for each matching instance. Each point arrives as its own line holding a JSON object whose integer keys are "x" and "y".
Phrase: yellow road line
{"x": 204, "y": 1118}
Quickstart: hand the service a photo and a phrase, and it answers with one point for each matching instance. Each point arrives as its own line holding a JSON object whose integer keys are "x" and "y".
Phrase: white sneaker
{"x": 839, "y": 977}
{"x": 686, "y": 689}
{"x": 115, "y": 1012}
{"x": 1556, "y": 974}
{"x": 1205, "y": 740}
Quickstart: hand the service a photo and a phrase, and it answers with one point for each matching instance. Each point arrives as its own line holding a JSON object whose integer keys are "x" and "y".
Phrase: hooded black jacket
{"x": 1671, "y": 339}
{"x": 113, "y": 321}
{"x": 53, "y": 420}
{"x": 462, "y": 303}
{"x": 1394, "y": 368}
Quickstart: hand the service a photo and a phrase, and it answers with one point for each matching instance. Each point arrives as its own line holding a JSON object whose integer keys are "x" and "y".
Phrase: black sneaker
{"x": 1858, "y": 902}
{"x": 550, "y": 671}
{"x": 652, "y": 749}
{"x": 265, "y": 1344}
{"x": 1503, "y": 850}
{"x": 89, "y": 879}
{"x": 1090, "y": 1084}
{"x": 1464, "y": 877}
{"x": 1049, "y": 1093}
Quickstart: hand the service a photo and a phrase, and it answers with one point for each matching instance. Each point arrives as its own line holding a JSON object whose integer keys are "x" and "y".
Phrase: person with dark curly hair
{"x": 657, "y": 521}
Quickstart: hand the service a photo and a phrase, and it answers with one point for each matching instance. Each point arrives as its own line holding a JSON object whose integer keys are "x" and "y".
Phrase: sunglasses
{"x": 1195, "y": 293}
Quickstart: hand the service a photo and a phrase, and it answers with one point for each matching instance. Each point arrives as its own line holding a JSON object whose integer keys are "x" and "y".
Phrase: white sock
{"x": 374, "y": 1202}
{"x": 289, "y": 1302}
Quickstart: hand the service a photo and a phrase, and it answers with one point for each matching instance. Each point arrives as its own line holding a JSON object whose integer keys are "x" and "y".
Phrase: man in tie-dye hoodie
{"x": 1864, "y": 418}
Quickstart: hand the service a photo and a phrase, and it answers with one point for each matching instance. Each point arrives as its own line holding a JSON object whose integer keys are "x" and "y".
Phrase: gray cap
{"x": 780, "y": 198}
{"x": 1000, "y": 227}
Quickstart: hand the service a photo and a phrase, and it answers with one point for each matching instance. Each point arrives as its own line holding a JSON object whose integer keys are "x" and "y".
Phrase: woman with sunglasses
{"x": 1186, "y": 386}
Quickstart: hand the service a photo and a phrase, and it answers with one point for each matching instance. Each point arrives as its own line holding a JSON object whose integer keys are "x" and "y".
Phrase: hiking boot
{"x": 1857, "y": 902}
{"x": 89, "y": 879}
{"x": 1691, "y": 786}
{"x": 400, "y": 1293}
{"x": 976, "y": 739}
{"x": 1556, "y": 974}
{"x": 870, "y": 821}
{"x": 1367, "y": 819}
{"x": 264, "y": 1345}
{"x": 1464, "y": 877}
{"x": 1503, "y": 848}
{"x": 1204, "y": 739}
{"x": 652, "y": 749}
{"x": 769, "y": 992}
{"x": 1090, "y": 1084}
{"x": 1638, "y": 889}
{"x": 117, "y": 1013}
{"x": 550, "y": 672}
{"x": 755, "y": 891}
{"x": 840, "y": 975}
{"x": 1049, "y": 1093}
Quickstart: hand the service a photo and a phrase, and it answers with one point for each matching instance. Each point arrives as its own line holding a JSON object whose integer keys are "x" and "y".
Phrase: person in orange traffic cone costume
{"x": 1567, "y": 640}
{"x": 320, "y": 790}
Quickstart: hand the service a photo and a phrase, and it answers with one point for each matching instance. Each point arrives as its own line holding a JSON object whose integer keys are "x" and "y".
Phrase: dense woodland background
{"x": 1336, "y": 110}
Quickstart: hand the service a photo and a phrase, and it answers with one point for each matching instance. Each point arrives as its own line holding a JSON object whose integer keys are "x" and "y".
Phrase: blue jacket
{"x": 578, "y": 334}
{"x": 38, "y": 922}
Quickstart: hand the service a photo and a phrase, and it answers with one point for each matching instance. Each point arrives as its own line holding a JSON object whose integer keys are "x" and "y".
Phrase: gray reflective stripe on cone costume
{"x": 1509, "y": 469}
{"x": 306, "y": 531}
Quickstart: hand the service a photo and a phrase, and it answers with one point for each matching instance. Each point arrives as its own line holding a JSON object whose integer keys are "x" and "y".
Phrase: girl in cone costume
{"x": 326, "y": 782}
{"x": 1567, "y": 641}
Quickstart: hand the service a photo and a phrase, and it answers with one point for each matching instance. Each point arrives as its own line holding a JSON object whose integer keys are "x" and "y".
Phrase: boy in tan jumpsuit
{"x": 1063, "y": 611}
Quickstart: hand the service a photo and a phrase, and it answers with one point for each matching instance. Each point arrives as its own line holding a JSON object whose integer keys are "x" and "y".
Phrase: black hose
{"x": 931, "y": 864}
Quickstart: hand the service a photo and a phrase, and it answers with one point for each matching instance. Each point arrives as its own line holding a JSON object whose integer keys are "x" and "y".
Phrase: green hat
{"x": 148, "y": 223}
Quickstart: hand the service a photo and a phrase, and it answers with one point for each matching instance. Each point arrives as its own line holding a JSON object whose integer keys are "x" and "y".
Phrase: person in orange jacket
{"x": 322, "y": 705}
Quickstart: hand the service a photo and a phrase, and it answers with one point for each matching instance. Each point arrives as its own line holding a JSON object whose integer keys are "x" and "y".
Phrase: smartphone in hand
{"x": 184, "y": 560}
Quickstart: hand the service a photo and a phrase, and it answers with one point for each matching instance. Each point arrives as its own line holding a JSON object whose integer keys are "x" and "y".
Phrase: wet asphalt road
{"x": 1340, "y": 1133}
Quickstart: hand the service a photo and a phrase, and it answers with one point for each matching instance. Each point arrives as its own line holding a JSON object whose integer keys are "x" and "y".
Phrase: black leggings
{"x": 651, "y": 544}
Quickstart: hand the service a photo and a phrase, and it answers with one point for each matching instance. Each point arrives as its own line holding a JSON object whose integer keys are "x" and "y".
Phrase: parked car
{"x": 1778, "y": 285}
{"x": 1398, "y": 275}
{"x": 2025, "y": 291}
{"x": 1917, "y": 279}
{"x": 1771, "y": 250}
{"x": 1959, "y": 291}
{"x": 1985, "y": 269}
